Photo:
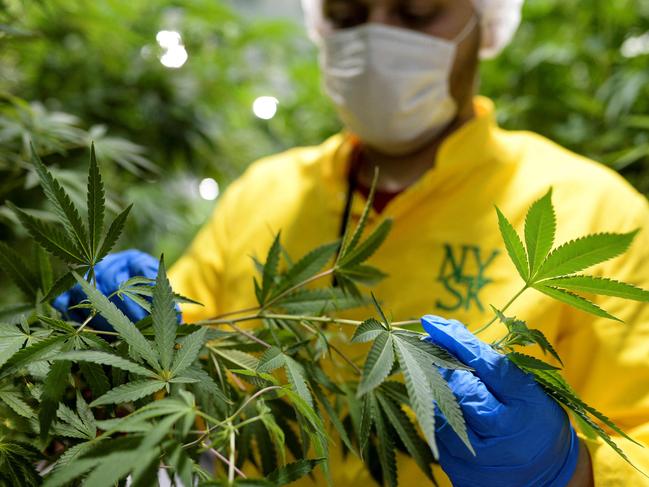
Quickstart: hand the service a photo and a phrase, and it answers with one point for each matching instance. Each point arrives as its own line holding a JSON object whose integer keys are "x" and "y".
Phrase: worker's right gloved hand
{"x": 112, "y": 271}
{"x": 521, "y": 436}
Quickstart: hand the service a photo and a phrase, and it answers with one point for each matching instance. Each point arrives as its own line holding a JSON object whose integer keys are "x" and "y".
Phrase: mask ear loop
{"x": 467, "y": 30}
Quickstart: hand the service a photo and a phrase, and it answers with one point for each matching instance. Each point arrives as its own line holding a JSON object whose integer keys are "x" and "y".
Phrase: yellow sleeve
{"x": 607, "y": 362}
{"x": 198, "y": 274}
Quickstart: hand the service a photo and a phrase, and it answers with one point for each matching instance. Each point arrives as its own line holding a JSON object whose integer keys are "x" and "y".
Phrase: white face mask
{"x": 391, "y": 85}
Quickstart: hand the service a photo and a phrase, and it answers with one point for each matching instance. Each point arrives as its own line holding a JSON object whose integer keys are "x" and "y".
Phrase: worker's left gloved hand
{"x": 521, "y": 436}
{"x": 110, "y": 273}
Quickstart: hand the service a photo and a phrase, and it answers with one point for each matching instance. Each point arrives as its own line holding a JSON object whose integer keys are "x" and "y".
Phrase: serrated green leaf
{"x": 126, "y": 329}
{"x": 44, "y": 349}
{"x": 182, "y": 464}
{"x": 112, "y": 468}
{"x": 64, "y": 476}
{"x": 429, "y": 352}
{"x": 271, "y": 359}
{"x": 308, "y": 266}
{"x": 86, "y": 416}
{"x": 270, "y": 269}
{"x": 419, "y": 390}
{"x": 163, "y": 314}
{"x": 293, "y": 471}
{"x": 295, "y": 375}
{"x": 333, "y": 417}
{"x": 62, "y": 284}
{"x": 582, "y": 253}
{"x": 363, "y": 274}
{"x": 17, "y": 404}
{"x": 366, "y": 248}
{"x": 401, "y": 423}
{"x": 559, "y": 389}
{"x": 447, "y": 402}
{"x": 191, "y": 347}
{"x": 378, "y": 363}
{"x": 44, "y": 269}
{"x": 15, "y": 267}
{"x": 113, "y": 233}
{"x": 72, "y": 425}
{"x": 272, "y": 428}
{"x": 540, "y": 339}
{"x": 378, "y": 308}
{"x": 206, "y": 383}
{"x": 385, "y": 444}
{"x": 70, "y": 457}
{"x": 574, "y": 300}
{"x": 540, "y": 227}
{"x": 253, "y": 373}
{"x": 365, "y": 425}
{"x": 50, "y": 237}
{"x": 237, "y": 357}
{"x": 59, "y": 325}
{"x": 599, "y": 285}
{"x": 368, "y": 331}
{"x": 316, "y": 301}
{"x": 95, "y": 198}
{"x": 11, "y": 341}
{"x": 597, "y": 429}
{"x": 64, "y": 208}
{"x": 131, "y": 391}
{"x": 53, "y": 389}
{"x": 350, "y": 241}
{"x": 529, "y": 362}
{"x": 514, "y": 246}
{"x": 266, "y": 448}
{"x": 104, "y": 358}
{"x": 554, "y": 382}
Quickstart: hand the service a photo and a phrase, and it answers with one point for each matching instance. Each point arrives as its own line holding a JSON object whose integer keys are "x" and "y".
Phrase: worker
{"x": 403, "y": 76}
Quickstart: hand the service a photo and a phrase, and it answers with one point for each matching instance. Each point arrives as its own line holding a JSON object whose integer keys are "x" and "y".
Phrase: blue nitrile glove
{"x": 520, "y": 435}
{"x": 112, "y": 271}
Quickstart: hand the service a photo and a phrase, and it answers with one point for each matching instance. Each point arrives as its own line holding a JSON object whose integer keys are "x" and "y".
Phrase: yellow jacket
{"x": 445, "y": 256}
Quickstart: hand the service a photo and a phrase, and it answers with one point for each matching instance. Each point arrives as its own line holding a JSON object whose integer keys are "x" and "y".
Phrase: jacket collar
{"x": 478, "y": 142}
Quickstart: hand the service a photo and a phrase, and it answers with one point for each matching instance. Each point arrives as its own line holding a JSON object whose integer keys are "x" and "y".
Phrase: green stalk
{"x": 493, "y": 320}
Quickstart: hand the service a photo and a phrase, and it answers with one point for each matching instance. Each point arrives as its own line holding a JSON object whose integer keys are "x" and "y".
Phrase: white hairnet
{"x": 499, "y": 20}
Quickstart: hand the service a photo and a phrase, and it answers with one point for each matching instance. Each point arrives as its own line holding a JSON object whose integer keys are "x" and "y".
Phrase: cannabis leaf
{"x": 553, "y": 272}
{"x": 540, "y": 227}
{"x": 418, "y": 361}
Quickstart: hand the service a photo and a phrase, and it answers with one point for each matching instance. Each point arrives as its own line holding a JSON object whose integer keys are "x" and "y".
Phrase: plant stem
{"x": 326, "y": 273}
{"x": 335, "y": 349}
{"x": 230, "y": 418}
{"x": 247, "y": 421}
{"x": 226, "y": 461}
{"x": 250, "y": 336}
{"x": 405, "y": 323}
{"x": 258, "y": 309}
{"x": 99, "y": 332}
{"x": 493, "y": 320}
{"x": 232, "y": 458}
{"x": 83, "y": 325}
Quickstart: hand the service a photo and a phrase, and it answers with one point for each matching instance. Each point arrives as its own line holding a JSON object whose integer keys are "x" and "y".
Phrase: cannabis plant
{"x": 248, "y": 391}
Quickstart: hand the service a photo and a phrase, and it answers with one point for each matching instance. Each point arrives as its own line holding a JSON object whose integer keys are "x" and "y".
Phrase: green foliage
{"x": 552, "y": 272}
{"x": 162, "y": 393}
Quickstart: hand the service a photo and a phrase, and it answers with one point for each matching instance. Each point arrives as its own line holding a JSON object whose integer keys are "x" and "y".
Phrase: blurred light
{"x": 175, "y": 54}
{"x": 208, "y": 189}
{"x": 168, "y": 38}
{"x": 265, "y": 107}
{"x": 175, "y": 57}
{"x": 635, "y": 46}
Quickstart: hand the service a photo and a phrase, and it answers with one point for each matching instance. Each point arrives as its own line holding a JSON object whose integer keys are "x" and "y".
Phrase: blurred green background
{"x": 180, "y": 96}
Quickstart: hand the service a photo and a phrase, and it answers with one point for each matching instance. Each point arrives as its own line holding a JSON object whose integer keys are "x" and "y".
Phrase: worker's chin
{"x": 400, "y": 148}
{"x": 397, "y": 150}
